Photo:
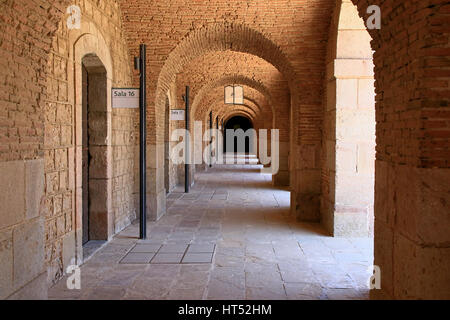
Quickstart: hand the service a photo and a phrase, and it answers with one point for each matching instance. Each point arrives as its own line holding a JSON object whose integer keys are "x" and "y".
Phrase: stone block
{"x": 28, "y": 244}
{"x": 407, "y": 200}
{"x": 353, "y": 68}
{"x": 330, "y": 155}
{"x": 346, "y": 93}
{"x": 308, "y": 207}
{"x": 354, "y": 190}
{"x": 350, "y": 223}
{"x": 354, "y": 44}
{"x": 34, "y": 181}
{"x": 327, "y": 216}
{"x": 12, "y": 193}
{"x": 309, "y": 181}
{"x": 346, "y": 157}
{"x": 98, "y": 129}
{"x": 384, "y": 192}
{"x": 366, "y": 158}
{"x": 68, "y": 249}
{"x": 156, "y": 205}
{"x": 98, "y": 225}
{"x": 37, "y": 289}
{"x": 366, "y": 95}
{"x": 281, "y": 178}
{"x": 383, "y": 255}
{"x": 308, "y": 157}
{"x": 98, "y": 195}
{"x": 434, "y": 217}
{"x": 6, "y": 263}
{"x": 355, "y": 124}
{"x": 349, "y": 18}
{"x": 99, "y": 163}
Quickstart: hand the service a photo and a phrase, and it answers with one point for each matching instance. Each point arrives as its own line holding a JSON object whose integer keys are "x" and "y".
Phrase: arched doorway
{"x": 94, "y": 157}
{"x": 232, "y": 128}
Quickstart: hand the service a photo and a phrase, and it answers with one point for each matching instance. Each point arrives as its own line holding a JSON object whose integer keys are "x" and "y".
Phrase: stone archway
{"x": 91, "y": 52}
{"x": 95, "y": 152}
{"x": 199, "y": 42}
{"x": 348, "y": 142}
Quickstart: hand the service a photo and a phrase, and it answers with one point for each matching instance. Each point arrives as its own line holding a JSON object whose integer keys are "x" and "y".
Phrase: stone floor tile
{"x": 173, "y": 248}
{"x": 137, "y": 257}
{"x": 146, "y": 248}
{"x": 197, "y": 258}
{"x": 106, "y": 293}
{"x": 167, "y": 258}
{"x": 344, "y": 294}
{"x": 274, "y": 292}
{"x": 186, "y": 294}
{"x": 223, "y": 290}
{"x": 201, "y": 248}
{"x": 262, "y": 251}
{"x": 303, "y": 291}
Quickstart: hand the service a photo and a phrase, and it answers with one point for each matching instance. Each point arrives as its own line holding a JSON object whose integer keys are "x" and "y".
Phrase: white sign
{"x": 177, "y": 115}
{"x": 125, "y": 98}
{"x": 234, "y": 95}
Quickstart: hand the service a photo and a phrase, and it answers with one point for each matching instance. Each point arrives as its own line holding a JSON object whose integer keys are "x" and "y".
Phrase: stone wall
{"x": 100, "y": 35}
{"x": 24, "y": 43}
{"x": 39, "y": 107}
{"x": 287, "y": 36}
{"x": 348, "y": 167}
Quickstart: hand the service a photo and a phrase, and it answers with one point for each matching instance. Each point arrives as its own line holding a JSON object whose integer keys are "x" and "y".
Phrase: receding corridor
{"x": 260, "y": 252}
{"x": 115, "y": 117}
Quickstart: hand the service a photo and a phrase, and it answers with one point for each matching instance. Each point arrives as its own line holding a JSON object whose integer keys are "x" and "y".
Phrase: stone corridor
{"x": 261, "y": 251}
{"x": 344, "y": 102}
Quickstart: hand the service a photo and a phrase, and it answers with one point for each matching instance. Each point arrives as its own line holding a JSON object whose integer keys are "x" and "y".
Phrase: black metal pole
{"x": 143, "y": 144}
{"x": 186, "y": 141}
{"x": 210, "y": 139}
{"x": 217, "y": 139}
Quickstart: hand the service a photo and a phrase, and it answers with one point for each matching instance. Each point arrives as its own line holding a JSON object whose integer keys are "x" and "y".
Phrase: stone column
{"x": 156, "y": 193}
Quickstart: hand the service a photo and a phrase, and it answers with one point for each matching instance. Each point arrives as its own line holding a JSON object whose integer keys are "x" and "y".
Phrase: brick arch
{"x": 232, "y": 79}
{"x": 217, "y": 105}
{"x": 217, "y": 38}
{"x": 252, "y": 97}
{"x": 258, "y": 110}
{"x": 245, "y": 107}
{"x": 93, "y": 43}
{"x": 228, "y": 115}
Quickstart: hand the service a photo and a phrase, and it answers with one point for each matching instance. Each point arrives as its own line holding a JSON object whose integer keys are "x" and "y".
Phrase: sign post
{"x": 177, "y": 114}
{"x": 142, "y": 144}
{"x": 186, "y": 141}
{"x": 210, "y": 138}
{"x": 125, "y": 98}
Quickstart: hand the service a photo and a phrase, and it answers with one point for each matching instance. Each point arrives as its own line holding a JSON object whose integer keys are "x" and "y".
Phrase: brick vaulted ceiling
{"x": 291, "y": 35}
{"x": 282, "y": 42}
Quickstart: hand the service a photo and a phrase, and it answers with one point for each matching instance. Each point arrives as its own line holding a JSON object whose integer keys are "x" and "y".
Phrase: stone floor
{"x": 260, "y": 250}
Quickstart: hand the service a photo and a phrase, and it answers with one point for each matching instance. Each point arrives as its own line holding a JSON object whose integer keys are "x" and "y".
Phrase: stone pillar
{"x": 412, "y": 193}
{"x": 347, "y": 208}
{"x": 156, "y": 193}
{"x": 282, "y": 177}
{"x": 305, "y": 193}
{"x": 349, "y": 128}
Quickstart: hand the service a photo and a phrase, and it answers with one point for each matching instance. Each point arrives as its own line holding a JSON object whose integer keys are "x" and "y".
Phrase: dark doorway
{"x": 94, "y": 151}
{"x": 235, "y": 123}
{"x": 85, "y": 156}
{"x": 167, "y": 146}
